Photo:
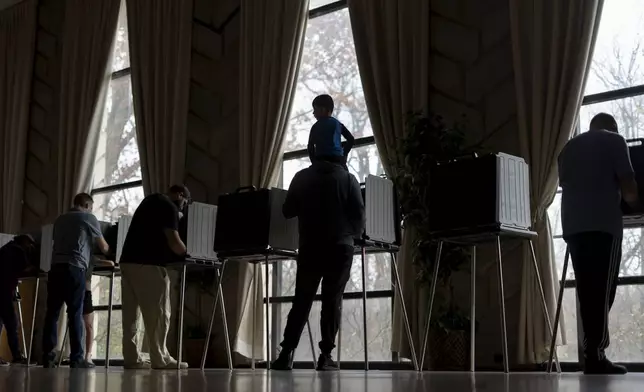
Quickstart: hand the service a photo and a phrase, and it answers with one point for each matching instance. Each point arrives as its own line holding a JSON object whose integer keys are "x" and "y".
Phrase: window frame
{"x": 277, "y": 300}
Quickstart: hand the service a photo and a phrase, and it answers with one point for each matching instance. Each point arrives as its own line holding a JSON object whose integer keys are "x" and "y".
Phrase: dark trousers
{"x": 332, "y": 266}
{"x": 8, "y": 318}
{"x": 596, "y": 258}
{"x": 66, "y": 285}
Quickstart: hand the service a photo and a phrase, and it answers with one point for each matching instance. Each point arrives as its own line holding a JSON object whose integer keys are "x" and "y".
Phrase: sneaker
{"x": 4, "y": 363}
{"x": 49, "y": 362}
{"x": 603, "y": 366}
{"x": 144, "y": 365}
{"x": 20, "y": 361}
{"x": 326, "y": 363}
{"x": 284, "y": 361}
{"x": 172, "y": 365}
{"x": 82, "y": 364}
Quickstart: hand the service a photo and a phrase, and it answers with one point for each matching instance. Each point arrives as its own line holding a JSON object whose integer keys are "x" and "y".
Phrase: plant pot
{"x": 449, "y": 350}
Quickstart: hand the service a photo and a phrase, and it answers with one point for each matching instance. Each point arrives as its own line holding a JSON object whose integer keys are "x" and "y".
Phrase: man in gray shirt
{"x": 595, "y": 174}
{"x": 75, "y": 233}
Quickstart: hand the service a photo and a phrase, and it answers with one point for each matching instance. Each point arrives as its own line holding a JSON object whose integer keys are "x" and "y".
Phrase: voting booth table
{"x": 481, "y": 200}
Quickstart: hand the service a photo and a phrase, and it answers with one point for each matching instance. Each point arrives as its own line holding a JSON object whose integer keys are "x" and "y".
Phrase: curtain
{"x": 86, "y": 48}
{"x": 17, "y": 43}
{"x": 160, "y": 34}
{"x": 552, "y": 45}
{"x": 392, "y": 45}
{"x": 272, "y": 38}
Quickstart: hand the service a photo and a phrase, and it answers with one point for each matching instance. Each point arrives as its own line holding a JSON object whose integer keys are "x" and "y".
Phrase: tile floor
{"x": 100, "y": 380}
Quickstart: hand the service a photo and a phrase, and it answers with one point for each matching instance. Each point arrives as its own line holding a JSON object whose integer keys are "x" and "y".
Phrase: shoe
{"x": 4, "y": 363}
{"x": 82, "y": 364}
{"x": 20, "y": 361}
{"x": 172, "y": 365}
{"x": 284, "y": 360}
{"x": 603, "y": 366}
{"x": 138, "y": 366}
{"x": 326, "y": 363}
{"x": 49, "y": 362}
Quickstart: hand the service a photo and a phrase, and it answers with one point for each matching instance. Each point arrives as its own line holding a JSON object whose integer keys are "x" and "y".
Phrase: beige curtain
{"x": 160, "y": 34}
{"x": 17, "y": 45}
{"x": 272, "y": 38}
{"x": 552, "y": 44}
{"x": 86, "y": 48}
{"x": 392, "y": 44}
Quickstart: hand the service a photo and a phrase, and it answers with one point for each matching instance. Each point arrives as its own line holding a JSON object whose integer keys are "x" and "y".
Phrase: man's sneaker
{"x": 21, "y": 361}
{"x": 4, "y": 363}
{"x": 172, "y": 365}
{"x": 49, "y": 362}
{"x": 603, "y": 366}
{"x": 82, "y": 364}
{"x": 138, "y": 366}
{"x": 326, "y": 363}
{"x": 284, "y": 361}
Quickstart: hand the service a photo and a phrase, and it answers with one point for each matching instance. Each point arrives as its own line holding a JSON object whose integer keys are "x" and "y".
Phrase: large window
{"x": 329, "y": 66}
{"x": 616, "y": 86}
{"x": 117, "y": 187}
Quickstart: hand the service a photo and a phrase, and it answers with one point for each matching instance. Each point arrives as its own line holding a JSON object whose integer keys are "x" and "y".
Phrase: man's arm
{"x": 95, "y": 231}
{"x": 350, "y": 140}
{"x": 170, "y": 222}
{"x": 355, "y": 207}
{"x": 311, "y": 145}
{"x": 625, "y": 173}
{"x": 290, "y": 209}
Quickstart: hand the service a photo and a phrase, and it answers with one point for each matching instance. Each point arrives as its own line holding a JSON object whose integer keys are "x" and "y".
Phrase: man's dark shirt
{"x": 327, "y": 201}
{"x": 146, "y": 242}
{"x": 13, "y": 262}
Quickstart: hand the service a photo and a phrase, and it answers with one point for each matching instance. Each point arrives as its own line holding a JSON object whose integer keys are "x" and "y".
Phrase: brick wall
{"x": 472, "y": 75}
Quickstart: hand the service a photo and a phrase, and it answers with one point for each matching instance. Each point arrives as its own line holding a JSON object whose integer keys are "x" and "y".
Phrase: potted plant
{"x": 430, "y": 140}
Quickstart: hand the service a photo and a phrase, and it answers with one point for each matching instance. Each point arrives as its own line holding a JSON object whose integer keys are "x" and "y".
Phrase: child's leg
{"x": 8, "y": 316}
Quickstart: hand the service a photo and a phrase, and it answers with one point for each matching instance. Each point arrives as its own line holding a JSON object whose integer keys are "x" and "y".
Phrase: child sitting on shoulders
{"x": 325, "y": 138}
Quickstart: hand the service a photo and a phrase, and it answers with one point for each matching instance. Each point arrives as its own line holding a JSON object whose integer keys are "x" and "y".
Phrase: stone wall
{"x": 472, "y": 76}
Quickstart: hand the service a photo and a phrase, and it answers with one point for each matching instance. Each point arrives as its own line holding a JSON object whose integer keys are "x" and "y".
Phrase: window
{"x": 117, "y": 187}
{"x": 615, "y": 85}
{"x": 329, "y": 66}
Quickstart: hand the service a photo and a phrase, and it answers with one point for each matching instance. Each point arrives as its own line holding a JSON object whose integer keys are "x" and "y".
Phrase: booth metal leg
{"x": 308, "y": 326}
{"x": 254, "y": 315}
{"x": 430, "y": 305}
{"x": 546, "y": 314}
{"x": 110, "y": 308}
{"x": 62, "y": 351}
{"x": 267, "y": 318}
{"x": 33, "y": 322}
{"x": 339, "y": 339}
{"x": 364, "y": 308}
{"x": 553, "y": 343}
{"x": 504, "y": 329}
{"x": 473, "y": 311}
{"x": 225, "y": 325}
{"x": 22, "y": 324}
{"x": 182, "y": 299}
{"x": 398, "y": 285}
{"x": 219, "y": 275}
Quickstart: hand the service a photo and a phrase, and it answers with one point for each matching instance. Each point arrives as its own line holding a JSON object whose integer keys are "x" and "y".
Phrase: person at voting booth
{"x": 328, "y": 203}
{"x": 595, "y": 174}
{"x": 152, "y": 242}
{"x": 75, "y": 233}
{"x": 14, "y": 263}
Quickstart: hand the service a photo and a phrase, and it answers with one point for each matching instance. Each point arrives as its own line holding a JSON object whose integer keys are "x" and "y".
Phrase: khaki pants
{"x": 146, "y": 288}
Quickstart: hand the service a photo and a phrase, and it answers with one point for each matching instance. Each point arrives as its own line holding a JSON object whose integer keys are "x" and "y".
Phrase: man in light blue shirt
{"x": 595, "y": 174}
{"x": 75, "y": 233}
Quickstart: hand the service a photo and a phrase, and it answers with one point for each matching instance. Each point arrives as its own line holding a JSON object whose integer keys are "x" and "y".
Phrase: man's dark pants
{"x": 332, "y": 266}
{"x": 596, "y": 257}
{"x": 66, "y": 285}
{"x": 8, "y": 318}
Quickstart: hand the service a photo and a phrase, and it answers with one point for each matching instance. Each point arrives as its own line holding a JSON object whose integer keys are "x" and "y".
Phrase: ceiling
{"x": 8, "y": 3}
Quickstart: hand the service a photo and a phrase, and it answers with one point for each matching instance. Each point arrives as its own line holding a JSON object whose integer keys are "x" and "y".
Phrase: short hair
{"x": 604, "y": 121}
{"x": 82, "y": 198}
{"x": 180, "y": 188}
{"x": 324, "y": 101}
